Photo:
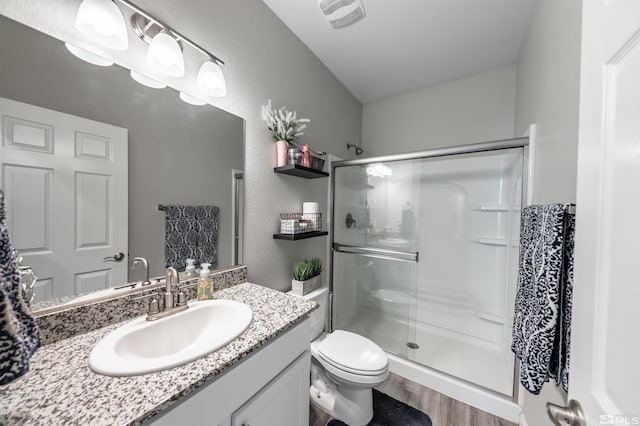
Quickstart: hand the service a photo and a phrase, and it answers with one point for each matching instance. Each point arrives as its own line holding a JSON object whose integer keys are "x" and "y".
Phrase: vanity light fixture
{"x": 211, "y": 80}
{"x": 87, "y": 56}
{"x": 101, "y": 21}
{"x": 190, "y": 99}
{"x": 146, "y": 80}
{"x": 165, "y": 55}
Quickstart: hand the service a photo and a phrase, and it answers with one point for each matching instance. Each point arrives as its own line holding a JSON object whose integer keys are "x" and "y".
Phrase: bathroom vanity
{"x": 263, "y": 374}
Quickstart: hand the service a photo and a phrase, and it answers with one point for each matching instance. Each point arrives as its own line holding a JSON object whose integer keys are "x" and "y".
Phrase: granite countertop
{"x": 61, "y": 389}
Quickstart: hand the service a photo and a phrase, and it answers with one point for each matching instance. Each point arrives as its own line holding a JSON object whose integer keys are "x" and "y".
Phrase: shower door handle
{"x": 378, "y": 253}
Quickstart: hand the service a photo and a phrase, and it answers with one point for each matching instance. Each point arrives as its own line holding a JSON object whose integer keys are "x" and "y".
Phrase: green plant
{"x": 307, "y": 269}
{"x": 284, "y": 125}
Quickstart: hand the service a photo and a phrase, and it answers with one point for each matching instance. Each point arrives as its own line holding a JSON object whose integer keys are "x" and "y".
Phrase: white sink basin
{"x": 142, "y": 346}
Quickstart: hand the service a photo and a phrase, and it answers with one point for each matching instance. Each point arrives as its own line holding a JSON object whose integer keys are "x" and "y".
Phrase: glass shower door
{"x": 425, "y": 259}
{"x": 375, "y": 256}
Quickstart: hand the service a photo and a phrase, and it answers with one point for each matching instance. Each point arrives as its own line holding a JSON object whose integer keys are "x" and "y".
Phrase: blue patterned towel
{"x": 541, "y": 324}
{"x": 191, "y": 232}
{"x": 19, "y": 333}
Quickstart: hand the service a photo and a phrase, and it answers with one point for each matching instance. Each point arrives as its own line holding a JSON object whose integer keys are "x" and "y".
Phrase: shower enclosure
{"x": 425, "y": 251}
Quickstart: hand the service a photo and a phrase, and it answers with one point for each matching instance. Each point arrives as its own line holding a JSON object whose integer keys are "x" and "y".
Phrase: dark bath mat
{"x": 388, "y": 411}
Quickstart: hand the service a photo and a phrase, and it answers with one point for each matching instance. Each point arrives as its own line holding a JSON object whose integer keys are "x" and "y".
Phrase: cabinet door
{"x": 284, "y": 401}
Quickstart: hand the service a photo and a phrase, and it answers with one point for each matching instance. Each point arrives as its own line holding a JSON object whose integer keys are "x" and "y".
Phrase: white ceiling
{"x": 402, "y": 45}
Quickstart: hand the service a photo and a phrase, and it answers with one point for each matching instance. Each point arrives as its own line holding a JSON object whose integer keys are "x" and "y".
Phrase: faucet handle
{"x": 154, "y": 304}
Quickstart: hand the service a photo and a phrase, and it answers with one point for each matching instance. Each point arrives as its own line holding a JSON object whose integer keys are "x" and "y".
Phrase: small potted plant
{"x": 306, "y": 276}
{"x": 285, "y": 128}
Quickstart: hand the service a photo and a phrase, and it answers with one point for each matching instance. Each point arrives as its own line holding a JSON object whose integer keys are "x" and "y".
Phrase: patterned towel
{"x": 19, "y": 333}
{"x": 191, "y": 232}
{"x": 541, "y": 325}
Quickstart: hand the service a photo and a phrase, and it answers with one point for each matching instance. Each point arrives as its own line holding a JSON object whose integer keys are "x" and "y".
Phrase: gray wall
{"x": 264, "y": 60}
{"x": 477, "y": 108}
{"x": 178, "y": 154}
{"x": 548, "y": 95}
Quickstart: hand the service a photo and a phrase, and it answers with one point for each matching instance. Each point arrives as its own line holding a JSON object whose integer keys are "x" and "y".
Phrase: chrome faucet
{"x": 172, "y": 274}
{"x": 171, "y": 305}
{"x": 145, "y": 268}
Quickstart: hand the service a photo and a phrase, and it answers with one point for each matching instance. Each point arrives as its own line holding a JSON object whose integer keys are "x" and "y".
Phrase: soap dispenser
{"x": 205, "y": 284}
{"x": 190, "y": 270}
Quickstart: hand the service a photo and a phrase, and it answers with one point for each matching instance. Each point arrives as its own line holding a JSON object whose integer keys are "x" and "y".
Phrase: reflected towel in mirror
{"x": 191, "y": 232}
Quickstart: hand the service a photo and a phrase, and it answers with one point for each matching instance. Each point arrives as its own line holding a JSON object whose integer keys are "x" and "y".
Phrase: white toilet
{"x": 344, "y": 368}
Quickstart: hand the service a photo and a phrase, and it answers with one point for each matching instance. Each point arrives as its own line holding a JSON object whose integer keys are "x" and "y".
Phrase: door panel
{"x": 65, "y": 180}
{"x": 28, "y": 196}
{"x": 605, "y": 342}
{"x": 92, "y": 201}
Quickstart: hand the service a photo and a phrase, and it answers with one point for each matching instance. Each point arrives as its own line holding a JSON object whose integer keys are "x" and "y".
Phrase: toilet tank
{"x": 319, "y": 316}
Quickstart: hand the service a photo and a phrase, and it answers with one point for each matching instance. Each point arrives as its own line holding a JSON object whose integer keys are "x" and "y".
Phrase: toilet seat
{"x": 352, "y": 353}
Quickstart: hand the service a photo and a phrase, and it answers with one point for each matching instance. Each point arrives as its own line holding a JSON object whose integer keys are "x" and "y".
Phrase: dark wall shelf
{"x": 299, "y": 171}
{"x": 301, "y": 236}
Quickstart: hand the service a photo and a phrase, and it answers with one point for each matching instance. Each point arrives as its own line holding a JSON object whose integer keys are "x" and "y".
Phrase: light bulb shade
{"x": 147, "y": 81}
{"x": 102, "y": 23}
{"x": 165, "y": 56}
{"x": 191, "y": 99}
{"x": 211, "y": 80}
{"x": 87, "y": 56}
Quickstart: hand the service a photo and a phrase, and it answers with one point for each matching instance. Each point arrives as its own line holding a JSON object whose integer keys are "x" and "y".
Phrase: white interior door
{"x": 65, "y": 184}
{"x": 605, "y": 373}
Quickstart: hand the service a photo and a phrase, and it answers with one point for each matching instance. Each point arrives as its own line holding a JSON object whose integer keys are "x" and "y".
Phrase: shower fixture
{"x": 359, "y": 150}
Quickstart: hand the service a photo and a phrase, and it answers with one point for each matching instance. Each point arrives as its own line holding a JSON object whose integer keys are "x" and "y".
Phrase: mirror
{"x": 177, "y": 154}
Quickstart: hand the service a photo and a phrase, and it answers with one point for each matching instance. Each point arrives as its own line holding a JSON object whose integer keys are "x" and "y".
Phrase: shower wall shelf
{"x": 300, "y": 236}
{"x": 299, "y": 171}
{"x": 490, "y": 241}
{"x": 493, "y": 208}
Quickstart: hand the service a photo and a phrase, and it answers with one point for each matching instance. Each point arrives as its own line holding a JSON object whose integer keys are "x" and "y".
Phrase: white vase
{"x": 281, "y": 153}
{"x": 300, "y": 288}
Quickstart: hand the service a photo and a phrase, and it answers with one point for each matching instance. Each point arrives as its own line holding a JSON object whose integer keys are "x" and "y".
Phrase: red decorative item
{"x": 306, "y": 157}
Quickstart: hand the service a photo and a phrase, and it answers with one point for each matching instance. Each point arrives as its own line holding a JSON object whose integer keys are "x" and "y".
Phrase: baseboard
{"x": 491, "y": 402}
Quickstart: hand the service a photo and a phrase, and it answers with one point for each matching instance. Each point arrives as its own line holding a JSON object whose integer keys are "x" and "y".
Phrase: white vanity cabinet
{"x": 270, "y": 387}
{"x": 284, "y": 401}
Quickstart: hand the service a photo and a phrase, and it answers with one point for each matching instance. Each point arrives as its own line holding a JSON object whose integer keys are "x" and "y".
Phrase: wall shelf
{"x": 301, "y": 236}
{"x": 299, "y": 171}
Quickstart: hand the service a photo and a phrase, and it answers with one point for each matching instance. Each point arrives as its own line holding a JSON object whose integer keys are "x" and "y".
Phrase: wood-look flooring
{"x": 442, "y": 410}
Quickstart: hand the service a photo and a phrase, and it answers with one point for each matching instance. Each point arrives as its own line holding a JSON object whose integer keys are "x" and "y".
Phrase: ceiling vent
{"x": 342, "y": 13}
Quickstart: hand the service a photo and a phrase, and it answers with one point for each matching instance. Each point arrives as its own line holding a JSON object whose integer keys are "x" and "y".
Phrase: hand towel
{"x": 543, "y": 298}
{"x": 559, "y": 363}
{"x": 19, "y": 333}
{"x": 191, "y": 232}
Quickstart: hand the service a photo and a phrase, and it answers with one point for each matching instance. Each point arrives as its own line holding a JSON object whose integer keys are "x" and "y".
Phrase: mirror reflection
{"x": 88, "y": 155}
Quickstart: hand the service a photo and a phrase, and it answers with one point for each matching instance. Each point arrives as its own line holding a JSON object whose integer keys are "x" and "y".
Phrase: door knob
{"x": 571, "y": 415}
{"x": 115, "y": 258}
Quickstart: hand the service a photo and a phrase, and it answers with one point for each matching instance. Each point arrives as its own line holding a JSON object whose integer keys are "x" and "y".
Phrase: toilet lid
{"x": 353, "y": 353}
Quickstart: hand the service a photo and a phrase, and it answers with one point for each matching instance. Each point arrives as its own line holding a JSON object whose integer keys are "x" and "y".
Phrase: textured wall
{"x": 264, "y": 60}
{"x": 547, "y": 88}
{"x": 474, "y": 109}
{"x": 548, "y": 95}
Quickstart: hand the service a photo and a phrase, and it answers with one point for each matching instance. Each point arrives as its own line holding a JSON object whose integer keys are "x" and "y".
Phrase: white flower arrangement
{"x": 284, "y": 125}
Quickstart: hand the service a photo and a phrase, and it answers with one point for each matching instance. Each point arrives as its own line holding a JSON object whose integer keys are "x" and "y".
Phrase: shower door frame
{"x": 497, "y": 145}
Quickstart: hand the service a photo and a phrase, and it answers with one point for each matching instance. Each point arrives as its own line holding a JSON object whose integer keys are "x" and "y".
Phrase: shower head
{"x": 359, "y": 150}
